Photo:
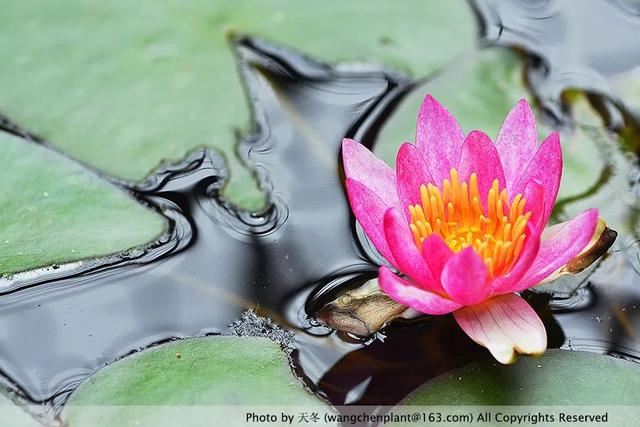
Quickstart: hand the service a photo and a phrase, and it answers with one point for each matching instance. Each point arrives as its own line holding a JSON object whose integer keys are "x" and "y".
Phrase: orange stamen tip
{"x": 456, "y": 212}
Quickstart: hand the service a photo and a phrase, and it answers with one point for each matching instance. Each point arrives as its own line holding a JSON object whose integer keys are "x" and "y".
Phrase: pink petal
{"x": 411, "y": 173}
{"x": 439, "y": 138}
{"x": 517, "y": 142}
{"x": 507, "y": 283}
{"x": 406, "y": 293}
{"x": 436, "y": 252}
{"x": 555, "y": 251}
{"x": 406, "y": 253}
{"x": 369, "y": 210}
{"x": 464, "y": 277}
{"x": 480, "y": 156}
{"x": 534, "y": 194}
{"x": 362, "y": 165}
{"x": 504, "y": 324}
{"x": 546, "y": 168}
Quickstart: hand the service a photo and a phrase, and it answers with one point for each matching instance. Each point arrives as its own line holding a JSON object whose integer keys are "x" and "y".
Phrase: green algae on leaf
{"x": 559, "y": 377}
{"x": 220, "y": 370}
{"x": 55, "y": 211}
{"x": 123, "y": 85}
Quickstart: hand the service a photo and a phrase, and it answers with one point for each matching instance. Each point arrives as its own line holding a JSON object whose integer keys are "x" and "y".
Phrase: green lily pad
{"x": 55, "y": 211}
{"x": 220, "y": 370}
{"x": 609, "y": 191}
{"x": 13, "y": 415}
{"x": 560, "y": 377}
{"x": 627, "y": 86}
{"x": 480, "y": 91}
{"x": 123, "y": 85}
{"x": 590, "y": 153}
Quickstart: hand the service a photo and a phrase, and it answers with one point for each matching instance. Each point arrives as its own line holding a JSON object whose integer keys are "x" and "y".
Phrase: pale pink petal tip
{"x": 505, "y": 325}
{"x": 406, "y": 293}
{"x": 361, "y": 165}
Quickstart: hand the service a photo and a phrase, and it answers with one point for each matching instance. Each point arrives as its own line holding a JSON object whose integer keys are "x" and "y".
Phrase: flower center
{"x": 456, "y": 213}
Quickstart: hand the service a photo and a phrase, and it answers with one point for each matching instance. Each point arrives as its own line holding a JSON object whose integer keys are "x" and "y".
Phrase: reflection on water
{"x": 216, "y": 261}
{"x": 571, "y": 44}
{"x": 586, "y": 45}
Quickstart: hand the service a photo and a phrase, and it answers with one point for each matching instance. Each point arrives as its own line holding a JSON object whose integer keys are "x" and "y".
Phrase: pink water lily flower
{"x": 461, "y": 223}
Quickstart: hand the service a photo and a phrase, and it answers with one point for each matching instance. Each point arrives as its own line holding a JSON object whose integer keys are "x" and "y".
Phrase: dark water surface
{"x": 571, "y": 44}
{"x": 59, "y": 326}
{"x": 216, "y": 261}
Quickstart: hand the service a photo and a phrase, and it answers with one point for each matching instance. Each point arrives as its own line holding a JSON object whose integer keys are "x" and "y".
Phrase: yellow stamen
{"x": 495, "y": 231}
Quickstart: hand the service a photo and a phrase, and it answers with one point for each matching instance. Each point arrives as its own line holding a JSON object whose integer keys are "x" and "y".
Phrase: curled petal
{"x": 406, "y": 293}
{"x": 546, "y": 168}
{"x": 411, "y": 173}
{"x": 369, "y": 210}
{"x": 505, "y": 324}
{"x": 464, "y": 277}
{"x": 439, "y": 138}
{"x": 405, "y": 252}
{"x": 362, "y": 165}
{"x": 517, "y": 142}
{"x": 566, "y": 241}
{"x": 601, "y": 241}
{"x": 479, "y": 156}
